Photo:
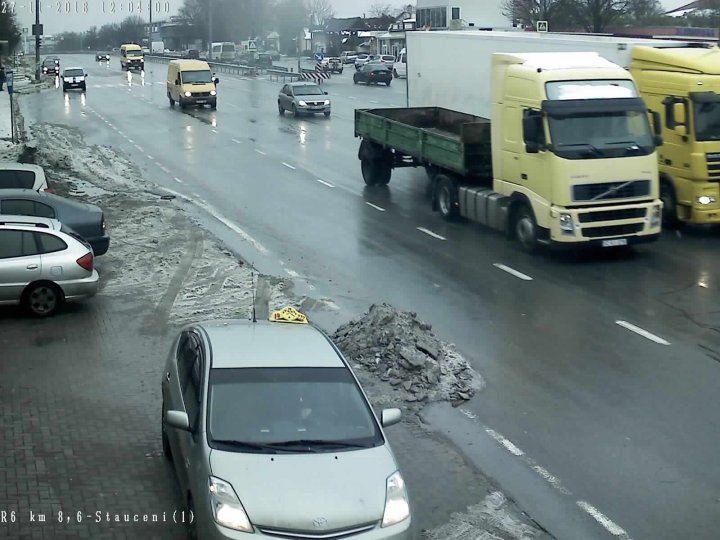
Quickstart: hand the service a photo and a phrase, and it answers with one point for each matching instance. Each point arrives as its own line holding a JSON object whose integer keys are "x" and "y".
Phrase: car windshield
{"x": 288, "y": 408}
{"x": 73, "y": 73}
{"x": 308, "y": 90}
{"x": 49, "y": 63}
{"x": 133, "y": 52}
{"x": 197, "y": 76}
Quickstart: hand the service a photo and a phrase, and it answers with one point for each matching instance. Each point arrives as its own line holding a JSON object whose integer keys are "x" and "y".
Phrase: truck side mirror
{"x": 532, "y": 130}
{"x": 177, "y": 81}
{"x": 681, "y": 129}
{"x": 679, "y": 113}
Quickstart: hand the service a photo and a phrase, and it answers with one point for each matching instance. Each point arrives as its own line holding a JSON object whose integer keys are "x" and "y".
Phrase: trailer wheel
{"x": 669, "y": 199}
{"x": 446, "y": 195}
{"x": 376, "y": 171}
{"x": 525, "y": 228}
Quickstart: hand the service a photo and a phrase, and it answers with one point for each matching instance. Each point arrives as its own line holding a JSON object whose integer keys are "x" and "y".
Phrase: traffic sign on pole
{"x": 542, "y": 26}
{"x": 9, "y": 80}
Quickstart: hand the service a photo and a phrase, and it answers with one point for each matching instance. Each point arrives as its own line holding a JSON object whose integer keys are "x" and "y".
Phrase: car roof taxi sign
{"x": 288, "y": 314}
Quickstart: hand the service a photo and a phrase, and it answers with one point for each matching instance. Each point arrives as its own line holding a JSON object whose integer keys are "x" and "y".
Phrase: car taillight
{"x": 104, "y": 225}
{"x": 49, "y": 190}
{"x": 86, "y": 261}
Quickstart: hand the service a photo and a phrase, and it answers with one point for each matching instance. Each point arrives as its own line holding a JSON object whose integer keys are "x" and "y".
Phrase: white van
{"x": 224, "y": 51}
{"x": 400, "y": 65}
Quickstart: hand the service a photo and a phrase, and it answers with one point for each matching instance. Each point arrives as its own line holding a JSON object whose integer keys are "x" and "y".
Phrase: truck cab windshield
{"x": 600, "y": 134}
{"x": 199, "y": 76}
{"x": 707, "y": 121}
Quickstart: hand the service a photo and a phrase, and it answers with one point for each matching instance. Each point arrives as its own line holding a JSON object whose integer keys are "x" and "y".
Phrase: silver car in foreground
{"x": 42, "y": 267}
{"x": 271, "y": 436}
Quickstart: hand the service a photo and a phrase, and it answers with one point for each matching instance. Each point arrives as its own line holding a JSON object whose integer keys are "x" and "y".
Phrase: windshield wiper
{"x": 266, "y": 448}
{"x": 589, "y": 146}
{"x": 317, "y": 443}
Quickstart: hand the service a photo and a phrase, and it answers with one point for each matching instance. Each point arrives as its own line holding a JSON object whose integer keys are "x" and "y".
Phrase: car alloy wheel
{"x": 42, "y": 299}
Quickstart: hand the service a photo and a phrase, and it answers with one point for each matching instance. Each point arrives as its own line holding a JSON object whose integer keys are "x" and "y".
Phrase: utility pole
{"x": 210, "y": 6}
{"x": 150, "y": 38}
{"x": 37, "y": 40}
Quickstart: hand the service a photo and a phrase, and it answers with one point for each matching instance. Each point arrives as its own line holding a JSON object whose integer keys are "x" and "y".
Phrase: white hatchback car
{"x": 23, "y": 175}
{"x": 41, "y": 267}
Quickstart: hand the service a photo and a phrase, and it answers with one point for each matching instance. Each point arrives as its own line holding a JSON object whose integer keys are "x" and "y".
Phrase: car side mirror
{"x": 177, "y": 419}
{"x": 325, "y": 93}
{"x": 216, "y": 80}
{"x": 177, "y": 81}
{"x": 390, "y": 417}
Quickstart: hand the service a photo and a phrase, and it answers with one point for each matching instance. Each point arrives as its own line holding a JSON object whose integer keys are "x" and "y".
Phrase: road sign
{"x": 319, "y": 56}
{"x": 9, "y": 80}
{"x": 24, "y": 31}
{"x": 542, "y": 26}
{"x": 37, "y": 29}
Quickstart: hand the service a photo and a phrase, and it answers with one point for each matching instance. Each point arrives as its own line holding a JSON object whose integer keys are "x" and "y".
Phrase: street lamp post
{"x": 150, "y": 31}
{"x": 37, "y": 40}
{"x": 210, "y": 29}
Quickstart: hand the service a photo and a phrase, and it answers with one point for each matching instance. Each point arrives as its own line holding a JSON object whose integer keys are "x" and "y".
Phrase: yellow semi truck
{"x": 683, "y": 85}
{"x": 567, "y": 156}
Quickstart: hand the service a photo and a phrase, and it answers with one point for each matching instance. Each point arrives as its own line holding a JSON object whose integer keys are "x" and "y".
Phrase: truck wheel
{"x": 376, "y": 171}
{"x": 525, "y": 228}
{"x": 446, "y": 195}
{"x": 669, "y": 199}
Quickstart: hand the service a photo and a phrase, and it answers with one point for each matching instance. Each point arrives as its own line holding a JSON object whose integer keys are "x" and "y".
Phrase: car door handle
{"x": 167, "y": 376}
{"x": 32, "y": 267}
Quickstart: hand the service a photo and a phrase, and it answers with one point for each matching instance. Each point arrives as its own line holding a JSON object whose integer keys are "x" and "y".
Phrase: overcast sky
{"x": 73, "y": 18}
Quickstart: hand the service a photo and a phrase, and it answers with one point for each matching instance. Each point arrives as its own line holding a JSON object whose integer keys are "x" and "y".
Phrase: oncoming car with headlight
{"x": 191, "y": 82}
{"x": 303, "y": 97}
{"x": 271, "y": 436}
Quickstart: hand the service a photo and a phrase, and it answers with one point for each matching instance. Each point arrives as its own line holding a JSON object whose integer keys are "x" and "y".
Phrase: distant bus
{"x": 224, "y": 50}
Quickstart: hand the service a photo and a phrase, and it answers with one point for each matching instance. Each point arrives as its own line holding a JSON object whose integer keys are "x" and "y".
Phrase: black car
{"x": 73, "y": 77}
{"x": 192, "y": 54}
{"x": 102, "y": 57}
{"x": 87, "y": 220}
{"x": 373, "y": 74}
{"x": 50, "y": 67}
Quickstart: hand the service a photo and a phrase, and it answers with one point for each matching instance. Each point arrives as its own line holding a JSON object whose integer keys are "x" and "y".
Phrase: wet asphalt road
{"x": 622, "y": 424}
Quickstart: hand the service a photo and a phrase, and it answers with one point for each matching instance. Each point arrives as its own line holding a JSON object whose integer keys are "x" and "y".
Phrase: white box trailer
{"x": 452, "y": 69}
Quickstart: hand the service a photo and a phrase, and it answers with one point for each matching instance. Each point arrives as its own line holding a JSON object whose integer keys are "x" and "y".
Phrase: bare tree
{"x": 596, "y": 15}
{"x": 529, "y": 12}
{"x": 380, "y": 9}
{"x": 320, "y": 11}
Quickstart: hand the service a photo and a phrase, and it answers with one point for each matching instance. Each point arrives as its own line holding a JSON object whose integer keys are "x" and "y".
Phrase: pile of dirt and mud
{"x": 399, "y": 353}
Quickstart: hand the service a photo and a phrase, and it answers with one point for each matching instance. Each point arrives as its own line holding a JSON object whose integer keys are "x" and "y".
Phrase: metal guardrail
{"x": 219, "y": 67}
{"x": 282, "y": 73}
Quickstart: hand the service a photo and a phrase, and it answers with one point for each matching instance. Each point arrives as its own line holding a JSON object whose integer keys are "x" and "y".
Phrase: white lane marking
{"x": 643, "y": 333}
{"x": 236, "y": 141}
{"x": 148, "y": 155}
{"x": 612, "y": 527}
{"x": 292, "y": 273}
{"x": 514, "y": 450}
{"x": 178, "y": 180}
{"x": 352, "y": 97}
{"x": 214, "y": 130}
{"x": 372, "y": 101}
{"x": 394, "y": 106}
{"x": 430, "y": 233}
{"x": 288, "y": 166}
{"x": 530, "y": 462}
{"x": 323, "y": 182}
{"x": 131, "y": 141}
{"x": 259, "y": 151}
{"x": 163, "y": 168}
{"x": 512, "y": 271}
{"x": 222, "y": 219}
{"x": 374, "y": 206}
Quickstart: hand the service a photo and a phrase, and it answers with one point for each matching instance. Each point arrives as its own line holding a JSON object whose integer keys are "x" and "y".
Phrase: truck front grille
{"x": 713, "y": 165}
{"x": 611, "y": 190}
{"x": 612, "y": 230}
{"x": 612, "y": 215}
{"x": 200, "y": 94}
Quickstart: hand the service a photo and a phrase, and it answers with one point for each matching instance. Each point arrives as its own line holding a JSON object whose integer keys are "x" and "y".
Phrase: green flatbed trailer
{"x": 430, "y": 137}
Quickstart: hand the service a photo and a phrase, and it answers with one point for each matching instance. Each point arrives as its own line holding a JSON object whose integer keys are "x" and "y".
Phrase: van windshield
{"x": 133, "y": 52}
{"x": 199, "y": 76}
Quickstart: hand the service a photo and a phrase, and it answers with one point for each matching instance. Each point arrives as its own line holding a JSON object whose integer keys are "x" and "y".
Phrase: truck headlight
{"x": 566, "y": 223}
{"x": 213, "y": 93}
{"x": 656, "y": 216}
{"x": 327, "y": 102}
{"x": 705, "y": 199}
{"x": 226, "y": 506}
{"x": 397, "y": 507}
{"x": 302, "y": 103}
{"x": 188, "y": 94}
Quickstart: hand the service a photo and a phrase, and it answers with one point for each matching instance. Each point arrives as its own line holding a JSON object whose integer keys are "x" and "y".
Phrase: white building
{"x": 457, "y": 14}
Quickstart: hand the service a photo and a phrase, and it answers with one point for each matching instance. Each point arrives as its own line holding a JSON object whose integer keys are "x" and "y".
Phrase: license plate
{"x": 200, "y": 101}
{"x": 615, "y": 242}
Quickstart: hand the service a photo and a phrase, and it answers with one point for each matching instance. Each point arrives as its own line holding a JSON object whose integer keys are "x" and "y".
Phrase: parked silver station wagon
{"x": 272, "y": 436}
{"x": 41, "y": 267}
